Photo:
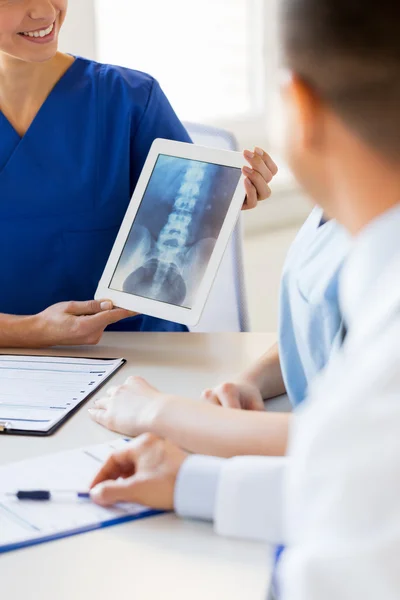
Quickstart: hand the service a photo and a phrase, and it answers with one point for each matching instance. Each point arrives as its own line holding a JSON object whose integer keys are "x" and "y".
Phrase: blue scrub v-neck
{"x": 310, "y": 323}
{"x": 52, "y": 96}
{"x": 10, "y": 141}
{"x": 66, "y": 184}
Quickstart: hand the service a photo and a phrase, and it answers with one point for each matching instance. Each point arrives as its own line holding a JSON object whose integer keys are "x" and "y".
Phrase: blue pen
{"x": 46, "y": 495}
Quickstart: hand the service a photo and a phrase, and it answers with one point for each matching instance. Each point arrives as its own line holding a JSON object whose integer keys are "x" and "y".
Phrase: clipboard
{"x": 4, "y": 549}
{"x": 9, "y": 426}
{"x": 22, "y": 524}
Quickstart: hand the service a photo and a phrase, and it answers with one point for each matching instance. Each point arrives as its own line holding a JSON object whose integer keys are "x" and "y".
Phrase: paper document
{"x": 24, "y": 522}
{"x": 37, "y": 392}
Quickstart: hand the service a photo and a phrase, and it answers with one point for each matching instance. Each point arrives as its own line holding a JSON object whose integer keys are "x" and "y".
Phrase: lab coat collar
{"x": 369, "y": 288}
{"x": 378, "y": 307}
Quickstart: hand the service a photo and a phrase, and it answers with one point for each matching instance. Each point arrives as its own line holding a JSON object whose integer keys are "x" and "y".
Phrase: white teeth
{"x": 41, "y": 33}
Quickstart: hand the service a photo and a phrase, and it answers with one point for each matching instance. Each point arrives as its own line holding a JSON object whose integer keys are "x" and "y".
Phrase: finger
{"x": 251, "y": 195}
{"x": 112, "y": 492}
{"x": 91, "y": 307}
{"x": 117, "y": 314}
{"x": 101, "y": 320}
{"x": 214, "y": 400}
{"x": 209, "y": 396}
{"x": 120, "y": 464}
{"x": 258, "y": 165}
{"x": 100, "y": 416}
{"x": 262, "y": 188}
{"x": 229, "y": 395}
{"x": 111, "y": 391}
{"x": 272, "y": 166}
{"x": 264, "y": 156}
{"x": 141, "y": 386}
{"x": 256, "y": 405}
{"x": 102, "y": 402}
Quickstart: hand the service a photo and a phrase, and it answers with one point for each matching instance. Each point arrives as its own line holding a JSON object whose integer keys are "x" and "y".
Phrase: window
{"x": 217, "y": 60}
{"x": 209, "y": 56}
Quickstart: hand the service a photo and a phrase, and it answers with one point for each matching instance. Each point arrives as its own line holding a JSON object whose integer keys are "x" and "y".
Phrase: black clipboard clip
{"x": 5, "y": 426}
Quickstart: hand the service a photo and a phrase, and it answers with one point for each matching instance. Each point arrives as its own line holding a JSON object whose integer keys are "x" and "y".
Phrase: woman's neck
{"x": 25, "y": 86}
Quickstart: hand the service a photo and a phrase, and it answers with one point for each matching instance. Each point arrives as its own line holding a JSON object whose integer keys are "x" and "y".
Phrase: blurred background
{"x": 217, "y": 61}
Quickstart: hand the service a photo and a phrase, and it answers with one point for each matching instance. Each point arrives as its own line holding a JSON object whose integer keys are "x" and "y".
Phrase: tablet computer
{"x": 175, "y": 232}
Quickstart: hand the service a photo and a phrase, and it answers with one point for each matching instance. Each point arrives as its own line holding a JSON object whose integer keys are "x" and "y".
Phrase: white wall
{"x": 78, "y": 34}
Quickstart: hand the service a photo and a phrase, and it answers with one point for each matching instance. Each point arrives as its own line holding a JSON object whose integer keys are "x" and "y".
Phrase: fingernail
{"x": 248, "y": 154}
{"x": 106, "y": 305}
{"x": 95, "y": 492}
{"x": 248, "y": 170}
{"x": 259, "y": 151}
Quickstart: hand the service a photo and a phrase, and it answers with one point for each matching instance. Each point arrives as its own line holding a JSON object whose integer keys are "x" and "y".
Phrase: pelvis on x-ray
{"x": 170, "y": 268}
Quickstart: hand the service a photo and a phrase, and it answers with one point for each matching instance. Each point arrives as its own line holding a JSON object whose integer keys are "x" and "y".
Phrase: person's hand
{"x": 239, "y": 395}
{"x": 259, "y": 175}
{"x": 76, "y": 323}
{"x": 130, "y": 409}
{"x": 144, "y": 473}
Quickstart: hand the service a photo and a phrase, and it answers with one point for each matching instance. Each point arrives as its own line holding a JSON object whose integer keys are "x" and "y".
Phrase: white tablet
{"x": 175, "y": 232}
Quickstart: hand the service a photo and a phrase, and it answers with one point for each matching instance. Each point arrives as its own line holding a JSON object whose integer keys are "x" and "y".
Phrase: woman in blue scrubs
{"x": 74, "y": 136}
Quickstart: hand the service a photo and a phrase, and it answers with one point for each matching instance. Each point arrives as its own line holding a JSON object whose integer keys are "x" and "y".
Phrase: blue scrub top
{"x": 310, "y": 321}
{"x": 65, "y": 186}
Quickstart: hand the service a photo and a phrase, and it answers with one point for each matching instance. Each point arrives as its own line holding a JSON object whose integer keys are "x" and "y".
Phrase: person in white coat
{"x": 334, "y": 502}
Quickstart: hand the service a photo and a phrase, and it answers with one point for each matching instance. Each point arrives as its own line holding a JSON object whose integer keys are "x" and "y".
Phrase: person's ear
{"x": 305, "y": 112}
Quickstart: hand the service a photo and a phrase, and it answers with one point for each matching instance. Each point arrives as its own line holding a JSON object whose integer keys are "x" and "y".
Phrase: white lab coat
{"x": 343, "y": 487}
{"x": 337, "y": 506}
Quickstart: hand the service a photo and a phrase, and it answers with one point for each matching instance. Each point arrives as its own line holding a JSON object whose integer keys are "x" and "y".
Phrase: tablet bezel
{"x": 155, "y": 308}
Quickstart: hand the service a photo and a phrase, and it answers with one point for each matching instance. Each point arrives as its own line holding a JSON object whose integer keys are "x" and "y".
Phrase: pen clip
{"x": 4, "y": 425}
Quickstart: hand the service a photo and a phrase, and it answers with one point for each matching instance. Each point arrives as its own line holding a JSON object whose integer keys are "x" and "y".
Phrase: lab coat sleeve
{"x": 243, "y": 496}
{"x": 343, "y": 489}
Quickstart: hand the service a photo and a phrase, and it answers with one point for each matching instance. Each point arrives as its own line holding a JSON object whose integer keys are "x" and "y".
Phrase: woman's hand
{"x": 144, "y": 473}
{"x": 259, "y": 175}
{"x": 239, "y": 395}
{"x": 74, "y": 323}
{"x": 130, "y": 409}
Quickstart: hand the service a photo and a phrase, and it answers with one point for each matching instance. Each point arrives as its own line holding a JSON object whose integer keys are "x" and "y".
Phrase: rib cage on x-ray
{"x": 167, "y": 265}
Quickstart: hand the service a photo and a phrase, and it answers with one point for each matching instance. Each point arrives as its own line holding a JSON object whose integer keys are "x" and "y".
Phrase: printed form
{"x": 27, "y": 522}
{"x": 37, "y": 392}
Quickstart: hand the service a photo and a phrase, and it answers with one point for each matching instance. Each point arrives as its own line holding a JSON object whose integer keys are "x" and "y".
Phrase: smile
{"x": 39, "y": 33}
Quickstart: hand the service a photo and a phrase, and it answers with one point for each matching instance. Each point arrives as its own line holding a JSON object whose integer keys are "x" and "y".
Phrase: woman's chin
{"x": 40, "y": 54}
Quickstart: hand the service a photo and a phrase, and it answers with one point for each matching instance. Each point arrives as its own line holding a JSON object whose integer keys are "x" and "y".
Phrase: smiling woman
{"x": 48, "y": 33}
{"x": 40, "y": 25}
{"x": 74, "y": 137}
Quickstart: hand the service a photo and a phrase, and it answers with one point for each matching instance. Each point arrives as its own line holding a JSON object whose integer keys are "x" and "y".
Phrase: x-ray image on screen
{"x": 175, "y": 230}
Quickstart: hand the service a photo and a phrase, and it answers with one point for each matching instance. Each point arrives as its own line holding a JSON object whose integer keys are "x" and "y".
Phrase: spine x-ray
{"x": 175, "y": 230}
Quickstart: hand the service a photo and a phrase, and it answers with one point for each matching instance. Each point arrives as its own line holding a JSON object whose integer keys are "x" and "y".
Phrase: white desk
{"x": 157, "y": 558}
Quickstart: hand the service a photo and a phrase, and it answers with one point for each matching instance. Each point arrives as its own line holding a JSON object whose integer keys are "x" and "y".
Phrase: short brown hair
{"x": 348, "y": 51}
